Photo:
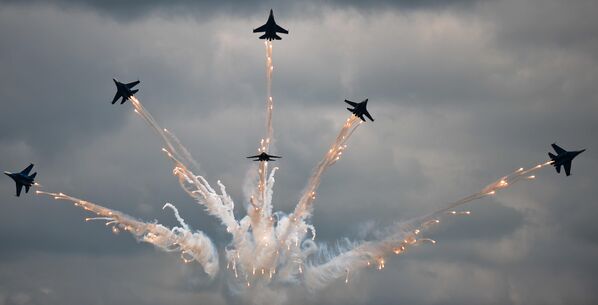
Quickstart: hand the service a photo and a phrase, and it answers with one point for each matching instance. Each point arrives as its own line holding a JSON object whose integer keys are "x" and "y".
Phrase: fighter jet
{"x": 359, "y": 109}
{"x": 563, "y": 158}
{"x": 22, "y": 179}
{"x": 263, "y": 157}
{"x": 270, "y": 29}
{"x": 124, "y": 91}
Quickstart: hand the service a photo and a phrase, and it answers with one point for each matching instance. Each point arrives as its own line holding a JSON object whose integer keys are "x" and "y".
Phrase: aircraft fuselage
{"x": 20, "y": 178}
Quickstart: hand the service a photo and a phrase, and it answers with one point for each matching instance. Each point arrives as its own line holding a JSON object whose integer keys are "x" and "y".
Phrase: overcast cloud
{"x": 462, "y": 91}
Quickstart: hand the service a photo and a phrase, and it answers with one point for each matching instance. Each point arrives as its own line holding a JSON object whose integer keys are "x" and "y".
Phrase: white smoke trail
{"x": 173, "y": 144}
{"x": 304, "y": 206}
{"x": 197, "y": 187}
{"x": 294, "y": 227}
{"x": 269, "y": 101}
{"x": 193, "y": 246}
{"x": 399, "y": 237}
{"x": 270, "y": 249}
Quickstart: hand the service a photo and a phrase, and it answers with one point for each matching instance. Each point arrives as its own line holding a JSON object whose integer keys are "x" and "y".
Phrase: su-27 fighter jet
{"x": 270, "y": 29}
{"x": 23, "y": 179}
{"x": 563, "y": 158}
{"x": 124, "y": 91}
{"x": 359, "y": 109}
{"x": 263, "y": 157}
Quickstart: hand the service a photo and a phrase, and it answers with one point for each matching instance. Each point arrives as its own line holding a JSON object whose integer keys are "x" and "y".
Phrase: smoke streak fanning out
{"x": 266, "y": 247}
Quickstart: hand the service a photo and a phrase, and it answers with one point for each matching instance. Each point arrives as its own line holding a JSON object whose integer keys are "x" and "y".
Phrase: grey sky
{"x": 462, "y": 94}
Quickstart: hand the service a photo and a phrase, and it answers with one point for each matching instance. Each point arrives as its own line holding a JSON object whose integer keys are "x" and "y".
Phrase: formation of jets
{"x": 23, "y": 178}
{"x": 125, "y": 91}
{"x": 563, "y": 158}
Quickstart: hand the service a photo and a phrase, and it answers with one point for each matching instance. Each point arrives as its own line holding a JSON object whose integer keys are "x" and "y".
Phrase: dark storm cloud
{"x": 460, "y": 97}
{"x": 126, "y": 10}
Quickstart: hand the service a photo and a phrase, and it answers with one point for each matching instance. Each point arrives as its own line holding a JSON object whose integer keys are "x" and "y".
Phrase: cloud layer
{"x": 462, "y": 94}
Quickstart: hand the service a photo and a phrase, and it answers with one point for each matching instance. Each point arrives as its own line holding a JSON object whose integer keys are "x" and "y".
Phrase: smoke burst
{"x": 270, "y": 248}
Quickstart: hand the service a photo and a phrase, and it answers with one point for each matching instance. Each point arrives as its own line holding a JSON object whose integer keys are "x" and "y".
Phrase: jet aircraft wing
{"x": 133, "y": 84}
{"x": 116, "y": 97}
{"x": 19, "y": 188}
{"x": 558, "y": 149}
{"x": 351, "y": 103}
{"x": 567, "y": 166}
{"x": 256, "y": 156}
{"x": 368, "y": 115}
{"x": 27, "y": 170}
{"x": 260, "y": 29}
{"x": 279, "y": 29}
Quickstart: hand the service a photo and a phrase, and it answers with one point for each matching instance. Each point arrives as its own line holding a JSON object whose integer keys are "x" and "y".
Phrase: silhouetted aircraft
{"x": 359, "y": 109}
{"x": 22, "y": 179}
{"x": 124, "y": 91}
{"x": 271, "y": 28}
{"x": 563, "y": 158}
{"x": 263, "y": 157}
